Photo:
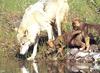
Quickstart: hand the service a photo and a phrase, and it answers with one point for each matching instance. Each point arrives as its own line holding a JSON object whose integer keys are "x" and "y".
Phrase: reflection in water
{"x": 46, "y": 66}
{"x": 59, "y": 67}
{"x": 35, "y": 67}
{"x": 55, "y": 67}
{"x": 24, "y": 69}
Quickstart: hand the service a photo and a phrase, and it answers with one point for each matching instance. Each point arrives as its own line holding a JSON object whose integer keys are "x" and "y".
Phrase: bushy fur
{"x": 57, "y": 10}
{"x": 34, "y": 21}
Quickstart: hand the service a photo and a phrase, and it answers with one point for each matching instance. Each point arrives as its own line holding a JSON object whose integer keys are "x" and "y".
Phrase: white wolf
{"x": 37, "y": 18}
{"x": 58, "y": 10}
{"x": 34, "y": 21}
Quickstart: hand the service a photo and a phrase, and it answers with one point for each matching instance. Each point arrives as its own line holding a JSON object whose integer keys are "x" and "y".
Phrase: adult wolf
{"x": 37, "y": 18}
{"x": 56, "y": 10}
{"x": 34, "y": 21}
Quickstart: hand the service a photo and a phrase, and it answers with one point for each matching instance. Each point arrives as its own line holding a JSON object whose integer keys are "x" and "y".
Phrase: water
{"x": 10, "y": 64}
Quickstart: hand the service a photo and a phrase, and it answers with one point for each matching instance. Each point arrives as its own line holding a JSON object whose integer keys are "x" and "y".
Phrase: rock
{"x": 99, "y": 47}
{"x": 74, "y": 69}
{"x": 94, "y": 48}
{"x": 95, "y": 67}
{"x": 82, "y": 54}
{"x": 89, "y": 59}
{"x": 74, "y": 51}
{"x": 96, "y": 57}
{"x": 82, "y": 66}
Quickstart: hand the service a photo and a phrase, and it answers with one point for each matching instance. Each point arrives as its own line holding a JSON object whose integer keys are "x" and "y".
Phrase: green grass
{"x": 10, "y": 8}
{"x": 15, "y": 5}
{"x": 81, "y": 8}
{"x": 84, "y": 9}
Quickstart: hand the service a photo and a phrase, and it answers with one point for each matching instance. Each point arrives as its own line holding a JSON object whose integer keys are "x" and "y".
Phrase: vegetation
{"x": 85, "y": 9}
{"x": 11, "y": 12}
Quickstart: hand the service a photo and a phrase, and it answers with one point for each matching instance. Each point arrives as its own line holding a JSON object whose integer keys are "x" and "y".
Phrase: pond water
{"x": 10, "y": 64}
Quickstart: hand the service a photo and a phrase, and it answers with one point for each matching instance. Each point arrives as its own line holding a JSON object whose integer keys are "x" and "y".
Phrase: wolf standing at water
{"x": 57, "y": 12}
{"x": 34, "y": 21}
{"x": 37, "y": 18}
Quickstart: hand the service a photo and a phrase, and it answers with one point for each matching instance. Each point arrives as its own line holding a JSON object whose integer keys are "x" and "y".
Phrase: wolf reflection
{"x": 59, "y": 67}
{"x": 24, "y": 68}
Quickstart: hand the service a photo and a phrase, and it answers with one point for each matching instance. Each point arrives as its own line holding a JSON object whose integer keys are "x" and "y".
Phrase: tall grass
{"x": 15, "y": 5}
{"x": 9, "y": 8}
{"x": 82, "y": 8}
{"x": 85, "y": 10}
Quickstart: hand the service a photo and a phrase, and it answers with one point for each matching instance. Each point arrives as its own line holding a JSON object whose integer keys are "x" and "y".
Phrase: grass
{"x": 82, "y": 9}
{"x": 15, "y": 5}
{"x": 10, "y": 9}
